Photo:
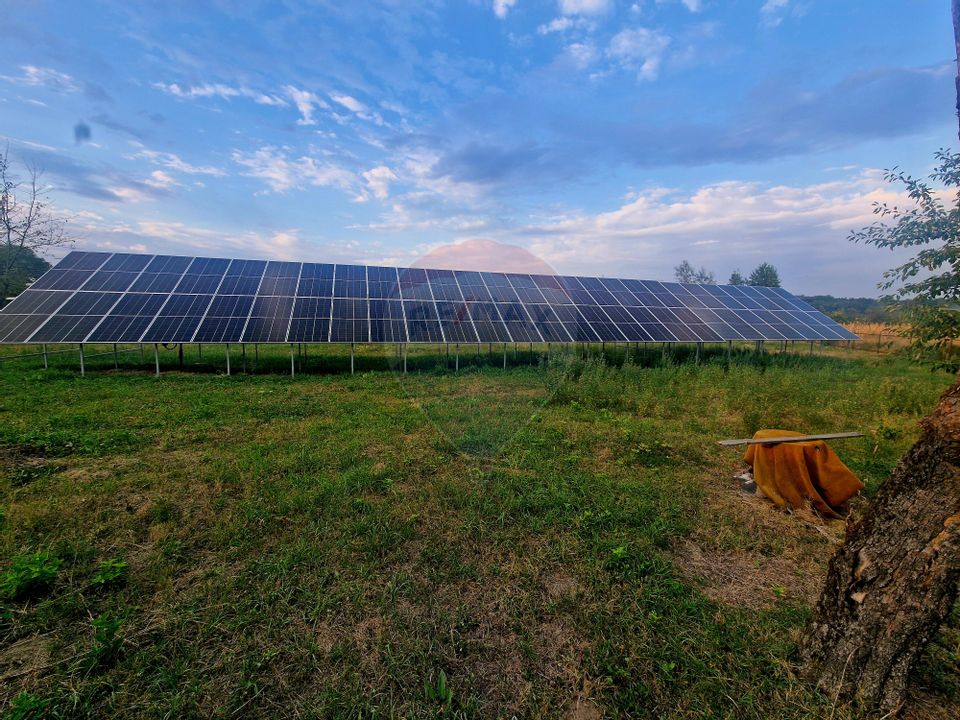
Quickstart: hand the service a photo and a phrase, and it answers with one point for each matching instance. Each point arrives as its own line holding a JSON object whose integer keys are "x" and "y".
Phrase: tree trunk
{"x": 894, "y": 579}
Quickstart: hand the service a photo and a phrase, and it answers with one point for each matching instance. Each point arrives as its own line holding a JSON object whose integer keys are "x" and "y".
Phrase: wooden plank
{"x": 794, "y": 438}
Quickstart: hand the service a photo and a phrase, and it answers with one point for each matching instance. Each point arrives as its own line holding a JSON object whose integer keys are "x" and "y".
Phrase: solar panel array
{"x": 94, "y": 297}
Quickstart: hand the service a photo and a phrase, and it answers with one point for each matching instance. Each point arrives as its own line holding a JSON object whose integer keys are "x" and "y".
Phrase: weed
{"x": 107, "y": 640}
{"x": 29, "y": 575}
{"x": 25, "y": 707}
{"x": 110, "y": 572}
{"x": 439, "y": 693}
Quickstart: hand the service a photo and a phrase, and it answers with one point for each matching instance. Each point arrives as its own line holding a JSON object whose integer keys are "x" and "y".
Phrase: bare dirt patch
{"x": 747, "y": 552}
{"x": 746, "y": 579}
{"x": 584, "y": 709}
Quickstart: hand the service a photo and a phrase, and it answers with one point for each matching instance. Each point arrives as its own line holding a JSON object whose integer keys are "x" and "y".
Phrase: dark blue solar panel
{"x": 18, "y": 328}
{"x": 176, "y": 298}
{"x": 36, "y": 302}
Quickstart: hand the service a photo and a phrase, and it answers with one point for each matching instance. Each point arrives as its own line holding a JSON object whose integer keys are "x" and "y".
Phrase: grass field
{"x": 559, "y": 539}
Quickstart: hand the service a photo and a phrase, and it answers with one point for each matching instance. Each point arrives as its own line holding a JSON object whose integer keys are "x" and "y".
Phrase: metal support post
{"x": 83, "y": 370}
{"x": 156, "y": 358}
{"x": 456, "y": 367}
{"x": 46, "y": 364}
{"x": 351, "y": 358}
{"x": 404, "y": 358}
{"x": 180, "y": 355}
{"x": 243, "y": 356}
{"x": 228, "y": 358}
{"x": 293, "y": 371}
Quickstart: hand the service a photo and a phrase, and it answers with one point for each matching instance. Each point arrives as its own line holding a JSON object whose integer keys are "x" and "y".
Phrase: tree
{"x": 27, "y": 224}
{"x": 764, "y": 275}
{"x": 24, "y": 268}
{"x": 736, "y": 278}
{"x": 926, "y": 287}
{"x": 894, "y": 580}
{"x": 686, "y": 273}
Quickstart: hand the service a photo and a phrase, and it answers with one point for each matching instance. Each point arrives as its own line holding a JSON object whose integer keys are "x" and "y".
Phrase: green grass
{"x": 486, "y": 543}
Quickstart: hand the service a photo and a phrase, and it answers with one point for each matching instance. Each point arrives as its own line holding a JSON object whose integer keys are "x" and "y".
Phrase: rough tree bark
{"x": 895, "y": 578}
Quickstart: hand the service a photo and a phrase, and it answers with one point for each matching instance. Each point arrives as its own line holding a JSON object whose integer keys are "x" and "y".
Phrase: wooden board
{"x": 794, "y": 438}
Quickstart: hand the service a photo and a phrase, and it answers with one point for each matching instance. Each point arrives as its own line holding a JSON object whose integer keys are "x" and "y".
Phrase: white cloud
{"x": 173, "y": 162}
{"x": 34, "y": 76}
{"x": 773, "y": 11}
{"x": 282, "y": 173}
{"x": 161, "y": 180}
{"x": 559, "y": 24}
{"x": 379, "y": 179}
{"x": 178, "y": 237}
{"x": 800, "y": 229}
{"x": 693, "y": 6}
{"x": 582, "y": 54}
{"x": 502, "y": 7}
{"x": 226, "y": 92}
{"x": 584, "y": 7}
{"x": 350, "y": 103}
{"x": 639, "y": 49}
{"x": 305, "y": 101}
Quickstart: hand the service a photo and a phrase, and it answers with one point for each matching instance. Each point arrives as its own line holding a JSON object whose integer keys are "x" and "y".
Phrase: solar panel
{"x": 129, "y": 298}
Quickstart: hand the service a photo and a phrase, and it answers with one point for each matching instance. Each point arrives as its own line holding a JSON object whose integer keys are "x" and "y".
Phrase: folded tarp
{"x": 795, "y": 474}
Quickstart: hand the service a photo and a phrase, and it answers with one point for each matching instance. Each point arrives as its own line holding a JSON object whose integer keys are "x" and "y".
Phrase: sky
{"x": 600, "y": 137}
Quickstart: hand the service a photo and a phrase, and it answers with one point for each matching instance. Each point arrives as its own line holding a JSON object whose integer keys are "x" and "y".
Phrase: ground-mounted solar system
{"x": 97, "y": 297}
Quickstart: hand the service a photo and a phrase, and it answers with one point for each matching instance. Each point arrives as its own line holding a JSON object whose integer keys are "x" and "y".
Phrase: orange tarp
{"x": 792, "y": 474}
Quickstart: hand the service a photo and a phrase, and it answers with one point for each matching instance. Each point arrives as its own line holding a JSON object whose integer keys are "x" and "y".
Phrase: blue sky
{"x": 601, "y": 136}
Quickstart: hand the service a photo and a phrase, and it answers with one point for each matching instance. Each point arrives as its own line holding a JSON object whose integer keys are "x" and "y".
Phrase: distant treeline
{"x": 852, "y": 309}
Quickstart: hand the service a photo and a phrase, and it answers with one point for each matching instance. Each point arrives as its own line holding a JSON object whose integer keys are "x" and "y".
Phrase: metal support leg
{"x": 256, "y": 353}
{"x": 697, "y": 359}
{"x": 243, "y": 356}
{"x": 293, "y": 371}
{"x": 404, "y": 358}
{"x": 46, "y": 364}
{"x": 180, "y": 355}
{"x": 504, "y": 356}
{"x": 351, "y": 358}
{"x": 116, "y": 358}
{"x": 729, "y": 350}
{"x": 228, "y": 358}
{"x": 200, "y": 350}
{"x": 156, "y": 358}
{"x": 456, "y": 367}
{"x": 142, "y": 358}
{"x": 83, "y": 370}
